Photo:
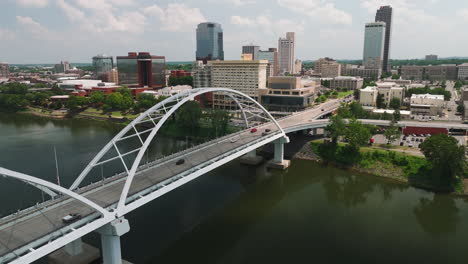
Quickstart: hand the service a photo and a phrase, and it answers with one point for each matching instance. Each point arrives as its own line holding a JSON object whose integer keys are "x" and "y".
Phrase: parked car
{"x": 402, "y": 143}
{"x": 180, "y": 162}
{"x": 71, "y": 218}
{"x": 413, "y": 139}
{"x": 323, "y": 109}
{"x": 422, "y": 135}
{"x": 428, "y": 135}
{"x": 267, "y": 130}
{"x": 404, "y": 137}
{"x": 253, "y": 130}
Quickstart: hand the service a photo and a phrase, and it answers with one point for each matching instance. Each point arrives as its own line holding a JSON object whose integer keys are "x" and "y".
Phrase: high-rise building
{"x": 62, "y": 67}
{"x": 327, "y": 67}
{"x": 248, "y": 77}
{"x": 103, "y": 64}
{"x": 142, "y": 70}
{"x": 286, "y": 53}
{"x": 462, "y": 72}
{"x": 272, "y": 57}
{"x": 251, "y": 49}
{"x": 297, "y": 66}
{"x": 432, "y": 57}
{"x": 374, "y": 43}
{"x": 384, "y": 14}
{"x": 4, "y": 70}
{"x": 209, "y": 42}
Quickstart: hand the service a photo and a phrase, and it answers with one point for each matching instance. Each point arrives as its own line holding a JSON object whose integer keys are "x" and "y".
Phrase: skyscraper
{"x": 272, "y": 57}
{"x": 142, "y": 69}
{"x": 103, "y": 64}
{"x": 384, "y": 14}
{"x": 209, "y": 42}
{"x": 4, "y": 70}
{"x": 251, "y": 49}
{"x": 286, "y": 50}
{"x": 374, "y": 42}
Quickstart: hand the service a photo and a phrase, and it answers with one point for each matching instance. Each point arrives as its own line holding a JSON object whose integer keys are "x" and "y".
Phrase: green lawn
{"x": 99, "y": 113}
{"x": 344, "y": 94}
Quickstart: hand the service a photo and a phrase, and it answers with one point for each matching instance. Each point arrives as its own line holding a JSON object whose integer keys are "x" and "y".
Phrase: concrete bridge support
{"x": 110, "y": 239}
{"x": 278, "y": 161}
{"x": 251, "y": 158}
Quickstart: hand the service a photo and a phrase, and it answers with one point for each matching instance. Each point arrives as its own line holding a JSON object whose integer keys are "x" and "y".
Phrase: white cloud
{"x": 268, "y": 25}
{"x": 33, "y": 3}
{"x": 31, "y": 25}
{"x": 240, "y": 2}
{"x": 320, "y": 9}
{"x": 176, "y": 17}
{"x": 463, "y": 14}
{"x": 6, "y": 34}
{"x": 244, "y": 21}
{"x": 73, "y": 13}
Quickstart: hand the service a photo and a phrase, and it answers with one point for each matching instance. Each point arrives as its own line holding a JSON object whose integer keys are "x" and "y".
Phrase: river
{"x": 239, "y": 214}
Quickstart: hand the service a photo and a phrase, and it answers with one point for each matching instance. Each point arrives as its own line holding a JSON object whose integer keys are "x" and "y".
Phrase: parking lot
{"x": 412, "y": 141}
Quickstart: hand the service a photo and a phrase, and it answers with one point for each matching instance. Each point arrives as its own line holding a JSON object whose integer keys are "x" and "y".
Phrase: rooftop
{"x": 427, "y": 96}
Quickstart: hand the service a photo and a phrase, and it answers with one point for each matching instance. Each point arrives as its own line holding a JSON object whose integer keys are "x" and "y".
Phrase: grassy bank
{"x": 403, "y": 167}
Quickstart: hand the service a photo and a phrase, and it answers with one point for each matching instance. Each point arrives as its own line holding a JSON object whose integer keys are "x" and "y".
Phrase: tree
{"x": 395, "y": 103}
{"x": 75, "y": 103}
{"x": 219, "y": 121}
{"x": 189, "y": 115}
{"x": 97, "y": 98}
{"x": 392, "y": 133}
{"x": 336, "y": 128}
{"x": 121, "y": 100}
{"x": 397, "y": 115}
{"x": 145, "y": 101}
{"x": 357, "y": 134}
{"x": 446, "y": 156}
{"x": 395, "y": 76}
{"x": 13, "y": 102}
{"x": 461, "y": 108}
{"x": 380, "y": 103}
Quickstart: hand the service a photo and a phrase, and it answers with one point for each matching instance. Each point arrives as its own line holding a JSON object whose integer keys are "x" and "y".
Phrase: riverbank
{"x": 405, "y": 168}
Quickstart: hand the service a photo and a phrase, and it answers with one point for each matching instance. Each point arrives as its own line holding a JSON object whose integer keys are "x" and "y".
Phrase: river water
{"x": 239, "y": 214}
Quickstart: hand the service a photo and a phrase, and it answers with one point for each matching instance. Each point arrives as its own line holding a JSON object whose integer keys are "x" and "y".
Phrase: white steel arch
{"x": 51, "y": 186}
{"x": 252, "y": 112}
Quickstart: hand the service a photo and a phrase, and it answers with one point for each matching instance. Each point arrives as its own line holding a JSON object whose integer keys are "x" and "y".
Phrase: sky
{"x": 48, "y": 31}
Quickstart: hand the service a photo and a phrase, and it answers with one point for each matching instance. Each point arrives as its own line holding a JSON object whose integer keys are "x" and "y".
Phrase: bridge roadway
{"x": 35, "y": 224}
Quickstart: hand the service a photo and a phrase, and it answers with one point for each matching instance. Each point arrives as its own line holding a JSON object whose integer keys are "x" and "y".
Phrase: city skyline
{"x": 64, "y": 29}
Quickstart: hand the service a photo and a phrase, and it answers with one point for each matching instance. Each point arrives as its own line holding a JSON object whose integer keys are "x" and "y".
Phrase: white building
{"x": 374, "y": 42}
{"x": 368, "y": 96}
{"x": 427, "y": 104}
{"x": 168, "y": 91}
{"x": 248, "y": 77}
{"x": 72, "y": 85}
{"x": 286, "y": 53}
{"x": 463, "y": 72}
{"x": 297, "y": 66}
{"x": 390, "y": 90}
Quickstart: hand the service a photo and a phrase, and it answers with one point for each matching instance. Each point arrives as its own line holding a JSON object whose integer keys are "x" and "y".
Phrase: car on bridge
{"x": 180, "y": 162}
{"x": 253, "y": 130}
{"x": 71, "y": 218}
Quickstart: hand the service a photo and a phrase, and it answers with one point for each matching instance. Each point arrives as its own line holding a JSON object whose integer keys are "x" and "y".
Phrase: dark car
{"x": 71, "y": 218}
{"x": 267, "y": 130}
{"x": 180, "y": 162}
{"x": 323, "y": 109}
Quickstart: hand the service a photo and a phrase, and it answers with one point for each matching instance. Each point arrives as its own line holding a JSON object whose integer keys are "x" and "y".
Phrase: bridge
{"x": 35, "y": 232}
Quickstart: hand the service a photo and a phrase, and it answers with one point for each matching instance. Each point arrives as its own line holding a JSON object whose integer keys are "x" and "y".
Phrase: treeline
{"x": 182, "y": 80}
{"x": 15, "y": 97}
{"x": 427, "y": 90}
{"x": 399, "y": 63}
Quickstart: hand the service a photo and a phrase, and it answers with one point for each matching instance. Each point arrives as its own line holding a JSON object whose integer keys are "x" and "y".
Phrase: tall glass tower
{"x": 102, "y": 65}
{"x": 209, "y": 42}
{"x": 384, "y": 14}
{"x": 374, "y": 41}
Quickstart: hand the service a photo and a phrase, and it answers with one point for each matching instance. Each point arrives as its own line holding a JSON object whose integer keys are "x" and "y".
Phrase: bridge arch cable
{"x": 249, "y": 110}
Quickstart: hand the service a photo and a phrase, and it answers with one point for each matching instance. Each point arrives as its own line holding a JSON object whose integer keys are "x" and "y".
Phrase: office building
{"x": 272, "y": 57}
{"x": 430, "y": 73}
{"x": 346, "y": 82}
{"x": 209, "y": 42}
{"x": 112, "y": 76}
{"x": 62, "y": 67}
{"x": 287, "y": 93}
{"x": 368, "y": 96}
{"x": 202, "y": 75}
{"x": 142, "y": 70}
{"x": 102, "y": 65}
{"x": 251, "y": 49}
{"x": 4, "y": 70}
{"x": 414, "y": 73}
{"x": 248, "y": 77}
{"x": 374, "y": 44}
{"x": 298, "y": 66}
{"x": 463, "y": 72}
{"x": 427, "y": 104}
{"x": 432, "y": 57}
{"x": 246, "y": 56}
{"x": 384, "y": 14}
{"x": 327, "y": 67}
{"x": 390, "y": 90}
{"x": 286, "y": 53}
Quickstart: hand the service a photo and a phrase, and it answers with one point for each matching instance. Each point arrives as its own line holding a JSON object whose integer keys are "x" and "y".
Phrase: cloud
{"x": 320, "y": 9}
{"x": 463, "y": 14}
{"x": 240, "y": 2}
{"x": 176, "y": 17}
{"x": 33, "y": 3}
{"x": 73, "y": 13}
{"x": 32, "y": 26}
{"x": 6, "y": 34}
{"x": 268, "y": 25}
{"x": 243, "y": 21}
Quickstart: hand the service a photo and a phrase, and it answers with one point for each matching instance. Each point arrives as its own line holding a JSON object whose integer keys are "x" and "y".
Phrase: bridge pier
{"x": 110, "y": 240}
{"x": 75, "y": 252}
{"x": 278, "y": 161}
{"x": 251, "y": 158}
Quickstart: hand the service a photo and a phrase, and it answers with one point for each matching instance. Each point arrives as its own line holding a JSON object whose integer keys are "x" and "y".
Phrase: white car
{"x": 234, "y": 139}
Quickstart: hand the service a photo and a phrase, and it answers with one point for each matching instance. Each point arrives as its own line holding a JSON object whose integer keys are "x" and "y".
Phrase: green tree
{"x": 75, "y": 103}
{"x": 336, "y": 128}
{"x": 13, "y": 102}
{"x": 392, "y": 133}
{"x": 446, "y": 156}
{"x": 145, "y": 102}
{"x": 395, "y": 103}
{"x": 461, "y": 108}
{"x": 219, "y": 121}
{"x": 97, "y": 98}
{"x": 357, "y": 134}
{"x": 397, "y": 115}
{"x": 380, "y": 103}
{"x": 396, "y": 76}
{"x": 189, "y": 115}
